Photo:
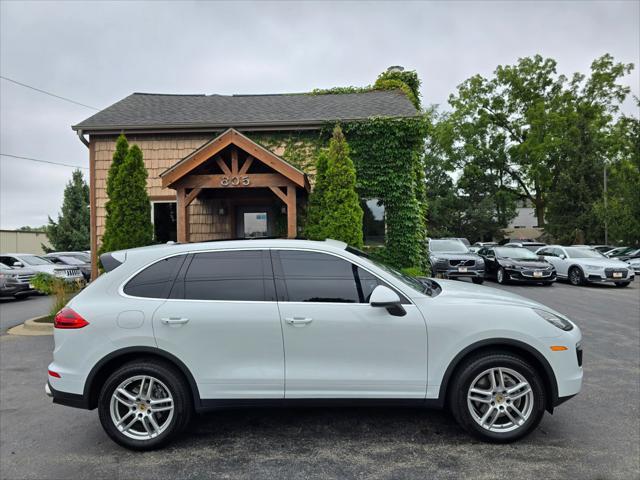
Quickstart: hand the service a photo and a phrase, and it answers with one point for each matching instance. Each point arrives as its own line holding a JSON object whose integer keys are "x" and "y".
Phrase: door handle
{"x": 174, "y": 320}
{"x": 298, "y": 321}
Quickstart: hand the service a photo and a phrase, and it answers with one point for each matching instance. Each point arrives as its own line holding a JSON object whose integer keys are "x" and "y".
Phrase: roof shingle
{"x": 158, "y": 111}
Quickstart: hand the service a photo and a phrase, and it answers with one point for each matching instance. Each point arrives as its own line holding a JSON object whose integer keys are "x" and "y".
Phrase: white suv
{"x": 174, "y": 329}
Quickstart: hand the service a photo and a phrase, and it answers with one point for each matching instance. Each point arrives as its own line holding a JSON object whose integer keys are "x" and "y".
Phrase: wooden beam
{"x": 234, "y": 161}
{"x": 280, "y": 194}
{"x": 256, "y": 180}
{"x": 245, "y": 166}
{"x": 192, "y": 196}
{"x": 292, "y": 226}
{"x": 223, "y": 166}
{"x": 183, "y": 216}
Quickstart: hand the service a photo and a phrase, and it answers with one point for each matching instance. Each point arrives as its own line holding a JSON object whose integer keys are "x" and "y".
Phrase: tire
{"x": 477, "y": 281}
{"x": 515, "y": 370}
{"x": 576, "y": 277}
{"x": 167, "y": 382}
{"x": 547, "y": 284}
{"x": 501, "y": 276}
{"x": 622, "y": 284}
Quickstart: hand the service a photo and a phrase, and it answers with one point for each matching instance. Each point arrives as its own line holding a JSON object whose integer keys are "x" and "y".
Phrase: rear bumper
{"x": 67, "y": 399}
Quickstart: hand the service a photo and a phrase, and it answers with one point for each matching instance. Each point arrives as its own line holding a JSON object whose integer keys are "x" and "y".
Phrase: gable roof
{"x": 232, "y": 137}
{"x": 146, "y": 111}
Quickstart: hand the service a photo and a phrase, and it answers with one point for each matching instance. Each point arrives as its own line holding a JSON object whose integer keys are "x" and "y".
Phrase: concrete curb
{"x": 31, "y": 327}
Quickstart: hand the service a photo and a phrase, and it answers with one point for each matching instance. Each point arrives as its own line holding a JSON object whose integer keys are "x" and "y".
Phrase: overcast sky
{"x": 99, "y": 52}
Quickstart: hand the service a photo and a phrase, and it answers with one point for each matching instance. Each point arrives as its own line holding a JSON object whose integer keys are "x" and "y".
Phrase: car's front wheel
{"x": 622, "y": 284}
{"x": 477, "y": 280}
{"x": 576, "y": 277}
{"x": 498, "y": 397}
{"x": 501, "y": 276}
{"x": 144, "y": 404}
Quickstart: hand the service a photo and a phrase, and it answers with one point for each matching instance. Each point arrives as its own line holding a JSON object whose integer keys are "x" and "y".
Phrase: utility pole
{"x": 606, "y": 231}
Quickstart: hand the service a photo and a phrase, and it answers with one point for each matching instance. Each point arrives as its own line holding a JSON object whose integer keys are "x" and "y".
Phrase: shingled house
{"x": 226, "y": 166}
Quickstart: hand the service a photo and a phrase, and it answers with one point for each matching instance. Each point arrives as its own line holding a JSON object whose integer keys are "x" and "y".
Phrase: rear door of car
{"x": 221, "y": 319}
{"x": 336, "y": 344}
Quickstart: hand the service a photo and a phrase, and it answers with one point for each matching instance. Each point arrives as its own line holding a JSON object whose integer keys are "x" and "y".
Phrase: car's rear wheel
{"x": 498, "y": 397}
{"x": 501, "y": 276}
{"x": 144, "y": 404}
{"x": 576, "y": 277}
{"x": 477, "y": 280}
{"x": 622, "y": 284}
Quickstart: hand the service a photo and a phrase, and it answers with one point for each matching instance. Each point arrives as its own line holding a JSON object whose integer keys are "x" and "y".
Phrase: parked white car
{"x": 173, "y": 329}
{"x": 581, "y": 265}
{"x": 41, "y": 264}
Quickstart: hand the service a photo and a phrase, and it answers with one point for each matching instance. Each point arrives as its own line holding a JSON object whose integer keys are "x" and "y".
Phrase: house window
{"x": 164, "y": 217}
{"x": 373, "y": 223}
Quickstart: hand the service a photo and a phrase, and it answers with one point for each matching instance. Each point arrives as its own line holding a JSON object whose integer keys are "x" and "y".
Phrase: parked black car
{"x": 517, "y": 264}
{"x": 14, "y": 282}
{"x": 450, "y": 258}
{"x": 75, "y": 259}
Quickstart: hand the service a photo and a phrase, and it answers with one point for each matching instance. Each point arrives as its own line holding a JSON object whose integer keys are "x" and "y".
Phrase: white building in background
{"x": 525, "y": 224}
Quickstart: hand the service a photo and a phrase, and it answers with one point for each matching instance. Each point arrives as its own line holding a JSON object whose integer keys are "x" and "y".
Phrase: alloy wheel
{"x": 142, "y": 407}
{"x": 500, "y": 400}
{"x": 574, "y": 277}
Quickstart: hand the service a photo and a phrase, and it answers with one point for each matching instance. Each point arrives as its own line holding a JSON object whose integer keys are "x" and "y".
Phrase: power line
{"x": 43, "y": 161}
{"x": 47, "y": 93}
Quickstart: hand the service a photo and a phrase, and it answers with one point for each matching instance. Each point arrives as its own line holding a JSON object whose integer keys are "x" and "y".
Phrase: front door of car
{"x": 222, "y": 321}
{"x": 336, "y": 344}
{"x": 553, "y": 256}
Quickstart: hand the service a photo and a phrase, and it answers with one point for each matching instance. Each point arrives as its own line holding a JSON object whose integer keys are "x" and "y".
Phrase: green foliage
{"x": 61, "y": 289}
{"x": 317, "y": 203}
{"x": 534, "y": 134}
{"x": 122, "y": 148}
{"x": 406, "y": 80}
{"x": 413, "y": 272}
{"x": 71, "y": 231}
{"x": 340, "y": 214}
{"x": 130, "y": 210}
{"x": 387, "y": 153}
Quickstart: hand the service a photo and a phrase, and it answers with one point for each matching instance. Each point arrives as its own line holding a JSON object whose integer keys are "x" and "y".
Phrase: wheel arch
{"x": 107, "y": 365}
{"x": 503, "y": 344}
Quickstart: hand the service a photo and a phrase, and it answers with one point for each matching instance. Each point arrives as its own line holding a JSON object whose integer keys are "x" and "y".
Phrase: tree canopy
{"x": 71, "y": 231}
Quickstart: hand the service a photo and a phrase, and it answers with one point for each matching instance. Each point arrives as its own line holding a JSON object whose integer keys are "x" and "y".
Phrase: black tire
{"x": 576, "y": 277}
{"x": 166, "y": 374}
{"x": 473, "y": 367}
{"x": 622, "y": 284}
{"x": 477, "y": 280}
{"x": 501, "y": 276}
{"x": 547, "y": 284}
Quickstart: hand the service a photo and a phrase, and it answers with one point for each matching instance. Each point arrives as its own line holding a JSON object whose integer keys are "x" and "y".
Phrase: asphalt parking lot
{"x": 594, "y": 436}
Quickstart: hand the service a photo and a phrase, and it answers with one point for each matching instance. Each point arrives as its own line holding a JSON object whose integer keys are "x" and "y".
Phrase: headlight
{"x": 437, "y": 259}
{"x": 555, "y": 320}
{"x": 593, "y": 267}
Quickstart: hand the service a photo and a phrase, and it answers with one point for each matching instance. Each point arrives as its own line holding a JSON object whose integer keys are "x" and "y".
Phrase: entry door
{"x": 255, "y": 222}
{"x": 336, "y": 344}
{"x": 222, "y": 321}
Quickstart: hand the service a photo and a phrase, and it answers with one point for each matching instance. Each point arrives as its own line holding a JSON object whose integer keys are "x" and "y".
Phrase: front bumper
{"x": 11, "y": 289}
{"x": 603, "y": 277}
{"x": 456, "y": 272}
{"x": 530, "y": 275}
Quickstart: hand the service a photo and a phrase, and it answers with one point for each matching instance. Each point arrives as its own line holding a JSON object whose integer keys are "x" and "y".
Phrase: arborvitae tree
{"x": 315, "y": 206}
{"x": 130, "y": 207}
{"x": 122, "y": 148}
{"x": 71, "y": 231}
{"x": 342, "y": 213}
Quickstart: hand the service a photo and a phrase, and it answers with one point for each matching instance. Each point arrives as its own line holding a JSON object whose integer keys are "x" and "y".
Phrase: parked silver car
{"x": 450, "y": 258}
{"x": 14, "y": 282}
{"x": 581, "y": 265}
{"x": 41, "y": 264}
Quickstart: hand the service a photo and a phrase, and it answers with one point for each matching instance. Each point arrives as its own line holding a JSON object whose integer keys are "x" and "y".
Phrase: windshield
{"x": 449, "y": 246}
{"x": 516, "y": 253}
{"x": 80, "y": 256}
{"x": 34, "y": 260}
{"x": 577, "y": 252}
{"x": 403, "y": 277}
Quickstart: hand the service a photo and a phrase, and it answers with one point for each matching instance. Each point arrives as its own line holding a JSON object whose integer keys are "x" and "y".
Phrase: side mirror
{"x": 562, "y": 256}
{"x": 18, "y": 264}
{"x": 385, "y": 297}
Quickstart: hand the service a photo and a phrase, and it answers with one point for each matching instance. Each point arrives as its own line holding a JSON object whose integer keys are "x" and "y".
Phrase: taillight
{"x": 53, "y": 374}
{"x": 67, "y": 318}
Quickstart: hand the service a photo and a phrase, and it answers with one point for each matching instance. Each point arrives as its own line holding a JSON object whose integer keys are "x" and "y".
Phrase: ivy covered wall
{"x": 388, "y": 156}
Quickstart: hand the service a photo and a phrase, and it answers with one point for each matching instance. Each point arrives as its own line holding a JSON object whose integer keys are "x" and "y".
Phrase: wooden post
{"x": 93, "y": 229}
{"x": 292, "y": 227}
{"x": 183, "y": 216}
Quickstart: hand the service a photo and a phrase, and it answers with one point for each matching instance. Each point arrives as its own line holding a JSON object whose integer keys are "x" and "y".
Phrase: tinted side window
{"x": 232, "y": 275}
{"x": 155, "y": 281}
{"x": 546, "y": 252}
{"x": 318, "y": 277}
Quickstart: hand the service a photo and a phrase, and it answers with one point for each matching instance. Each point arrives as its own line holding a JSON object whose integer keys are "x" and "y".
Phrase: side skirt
{"x": 207, "y": 405}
